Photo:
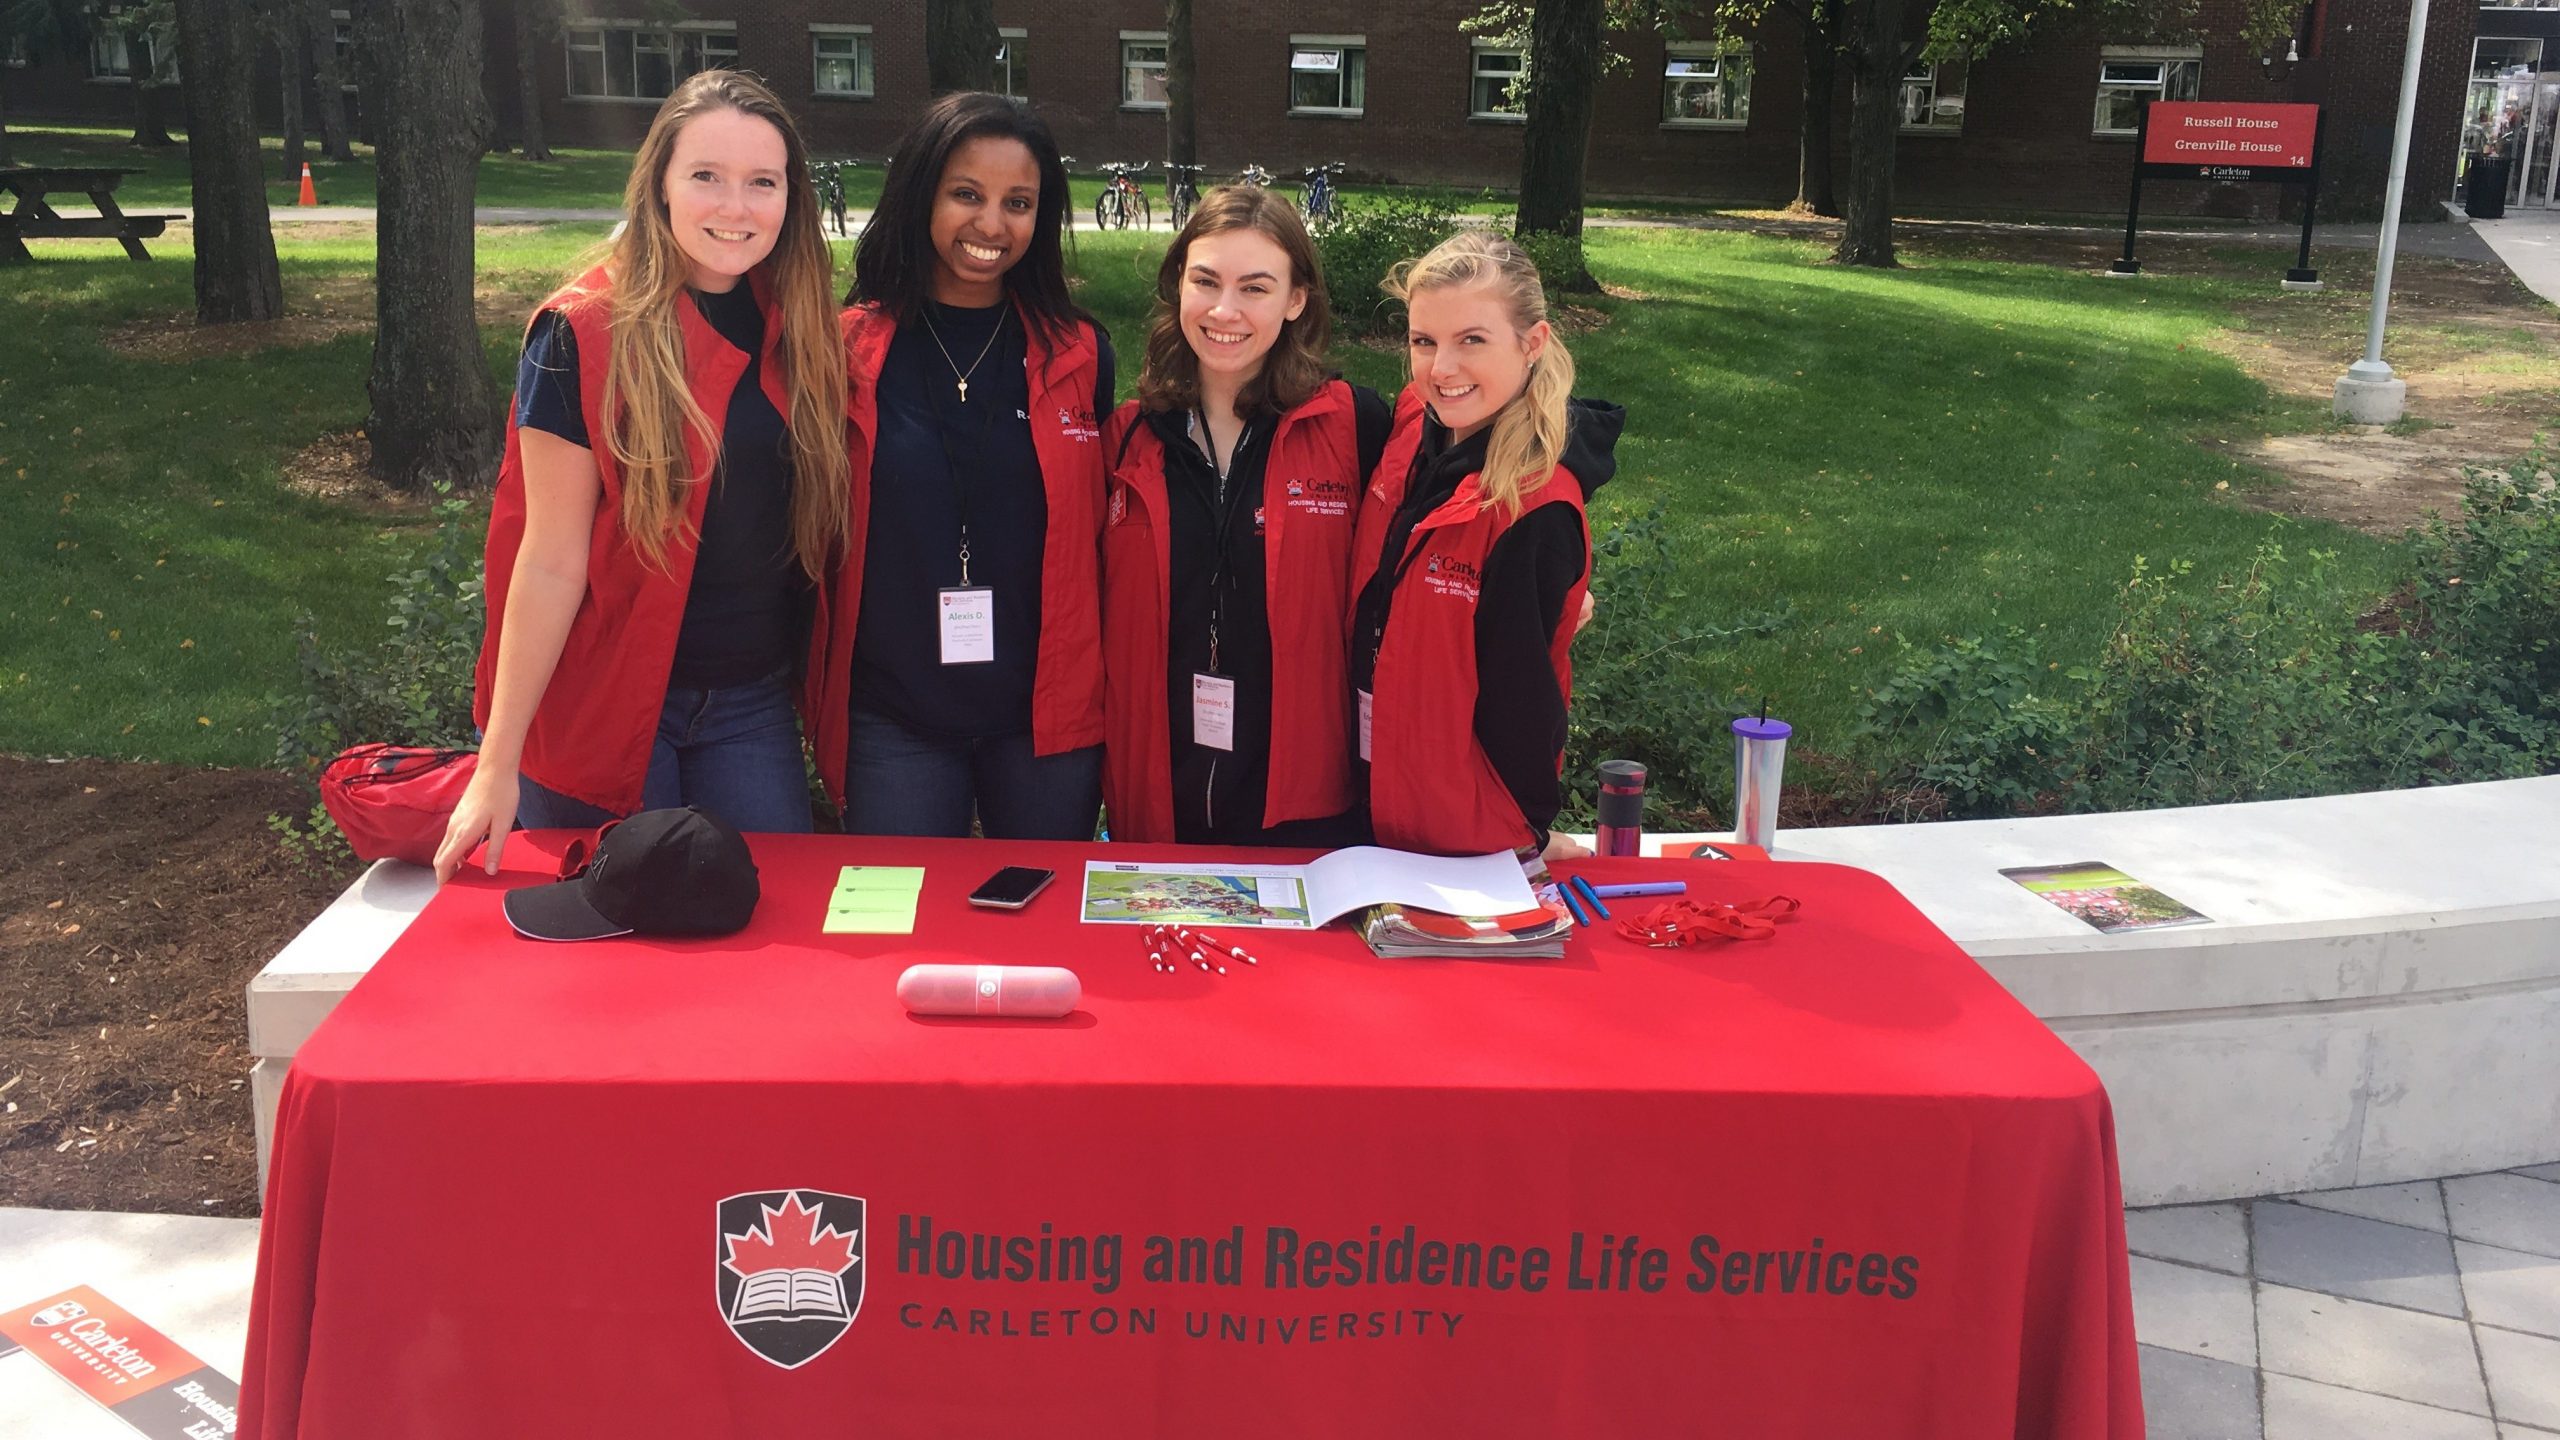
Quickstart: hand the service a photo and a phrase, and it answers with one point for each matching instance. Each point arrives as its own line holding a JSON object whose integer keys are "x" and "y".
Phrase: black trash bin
{"x": 2484, "y": 190}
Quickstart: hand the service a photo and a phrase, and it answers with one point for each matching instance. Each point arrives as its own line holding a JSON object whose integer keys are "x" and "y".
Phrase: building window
{"x": 1933, "y": 96}
{"x": 1495, "y": 95}
{"x": 108, "y": 58}
{"x": 1703, "y": 85}
{"x": 1013, "y": 70}
{"x": 2127, "y": 78}
{"x": 17, "y": 52}
{"x": 1141, "y": 69}
{"x": 840, "y": 59}
{"x": 342, "y": 43}
{"x": 643, "y": 62}
{"x": 1328, "y": 74}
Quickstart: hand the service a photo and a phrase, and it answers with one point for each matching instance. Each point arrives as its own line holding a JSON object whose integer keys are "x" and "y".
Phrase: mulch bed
{"x": 136, "y": 901}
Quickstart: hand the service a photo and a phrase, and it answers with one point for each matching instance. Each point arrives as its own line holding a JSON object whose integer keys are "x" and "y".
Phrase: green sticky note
{"x": 874, "y": 900}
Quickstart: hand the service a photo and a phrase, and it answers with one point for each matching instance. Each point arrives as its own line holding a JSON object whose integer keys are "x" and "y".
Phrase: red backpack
{"x": 394, "y": 801}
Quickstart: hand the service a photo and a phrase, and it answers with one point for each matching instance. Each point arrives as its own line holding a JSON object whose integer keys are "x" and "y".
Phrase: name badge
{"x": 968, "y": 627}
{"x": 1364, "y": 724}
{"x": 1213, "y": 711}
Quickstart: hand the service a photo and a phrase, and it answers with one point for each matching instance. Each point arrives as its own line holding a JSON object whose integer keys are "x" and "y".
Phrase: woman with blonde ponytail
{"x": 1473, "y": 559}
{"x": 672, "y": 497}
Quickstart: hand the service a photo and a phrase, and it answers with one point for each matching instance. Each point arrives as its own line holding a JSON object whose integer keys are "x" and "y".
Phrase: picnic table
{"x": 33, "y": 218}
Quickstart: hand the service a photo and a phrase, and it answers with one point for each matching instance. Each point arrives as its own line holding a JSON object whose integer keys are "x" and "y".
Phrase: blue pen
{"x": 1565, "y": 892}
{"x": 1650, "y": 887}
{"x": 1591, "y": 897}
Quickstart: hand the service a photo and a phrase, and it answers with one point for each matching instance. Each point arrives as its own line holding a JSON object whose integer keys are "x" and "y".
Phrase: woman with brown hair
{"x": 1227, "y": 546}
{"x": 672, "y": 496}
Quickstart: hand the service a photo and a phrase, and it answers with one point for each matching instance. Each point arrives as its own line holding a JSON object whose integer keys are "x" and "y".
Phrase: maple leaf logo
{"x": 790, "y": 1238}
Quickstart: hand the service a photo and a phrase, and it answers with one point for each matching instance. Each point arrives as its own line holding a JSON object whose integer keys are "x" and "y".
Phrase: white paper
{"x": 1213, "y": 711}
{"x": 968, "y": 627}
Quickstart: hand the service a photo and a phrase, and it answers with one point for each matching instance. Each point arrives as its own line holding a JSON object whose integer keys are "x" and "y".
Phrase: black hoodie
{"x": 1520, "y": 711}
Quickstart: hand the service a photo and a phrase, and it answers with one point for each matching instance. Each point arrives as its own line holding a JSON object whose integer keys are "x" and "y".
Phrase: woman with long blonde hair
{"x": 1474, "y": 559}
{"x": 671, "y": 499}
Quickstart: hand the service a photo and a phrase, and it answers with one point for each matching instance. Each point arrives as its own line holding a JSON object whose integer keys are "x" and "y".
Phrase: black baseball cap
{"x": 660, "y": 872}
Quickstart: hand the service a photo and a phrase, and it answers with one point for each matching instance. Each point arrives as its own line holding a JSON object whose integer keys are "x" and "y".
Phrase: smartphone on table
{"x": 1012, "y": 887}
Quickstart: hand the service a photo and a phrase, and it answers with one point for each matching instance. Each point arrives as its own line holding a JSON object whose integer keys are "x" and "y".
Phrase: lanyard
{"x": 951, "y": 461}
{"x": 1220, "y": 574}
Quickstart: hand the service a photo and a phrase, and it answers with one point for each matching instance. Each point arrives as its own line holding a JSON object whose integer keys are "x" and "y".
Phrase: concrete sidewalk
{"x": 2427, "y": 1311}
{"x": 2529, "y": 242}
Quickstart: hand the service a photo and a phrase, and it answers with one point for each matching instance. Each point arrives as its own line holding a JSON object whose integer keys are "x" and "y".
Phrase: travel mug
{"x": 1620, "y": 830}
{"x": 1759, "y": 760}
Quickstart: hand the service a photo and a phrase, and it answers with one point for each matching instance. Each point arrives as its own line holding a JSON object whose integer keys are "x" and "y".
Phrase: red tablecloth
{"x": 499, "y": 1165}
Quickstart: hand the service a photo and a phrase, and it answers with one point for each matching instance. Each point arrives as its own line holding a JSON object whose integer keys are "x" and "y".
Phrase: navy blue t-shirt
{"x": 938, "y": 458}
{"x": 748, "y": 600}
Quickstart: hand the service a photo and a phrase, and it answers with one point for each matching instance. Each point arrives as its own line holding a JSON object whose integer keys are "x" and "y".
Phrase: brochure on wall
{"x": 2105, "y": 897}
{"x": 1300, "y": 897}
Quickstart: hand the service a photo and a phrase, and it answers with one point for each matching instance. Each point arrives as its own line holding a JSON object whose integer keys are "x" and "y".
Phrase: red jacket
{"x": 1066, "y": 695}
{"x": 1431, "y": 787}
{"x": 592, "y": 730}
{"x": 1309, "y": 480}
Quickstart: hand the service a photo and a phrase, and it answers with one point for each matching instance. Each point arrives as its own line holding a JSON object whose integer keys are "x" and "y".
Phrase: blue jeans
{"x": 897, "y": 782}
{"x": 734, "y": 752}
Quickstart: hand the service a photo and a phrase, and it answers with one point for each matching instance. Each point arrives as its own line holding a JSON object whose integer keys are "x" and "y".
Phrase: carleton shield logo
{"x": 790, "y": 1264}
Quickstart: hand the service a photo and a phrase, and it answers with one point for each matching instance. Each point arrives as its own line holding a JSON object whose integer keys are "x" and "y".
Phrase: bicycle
{"x": 1317, "y": 198}
{"x": 1254, "y": 175}
{"x": 1121, "y": 201}
{"x": 1182, "y": 190}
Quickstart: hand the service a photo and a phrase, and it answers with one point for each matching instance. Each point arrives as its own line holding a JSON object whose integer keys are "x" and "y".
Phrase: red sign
{"x": 2231, "y": 133}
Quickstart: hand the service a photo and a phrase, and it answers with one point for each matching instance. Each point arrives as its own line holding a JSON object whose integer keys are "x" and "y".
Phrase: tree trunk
{"x": 960, "y": 45}
{"x": 6, "y": 157}
{"x": 1181, "y": 86}
{"x": 1875, "y": 49}
{"x": 436, "y": 413}
{"x": 1564, "y": 38}
{"x": 1814, "y": 191}
{"x": 293, "y": 73}
{"x": 235, "y": 250}
{"x": 150, "y": 107}
{"x": 329, "y": 79}
{"x": 528, "y": 81}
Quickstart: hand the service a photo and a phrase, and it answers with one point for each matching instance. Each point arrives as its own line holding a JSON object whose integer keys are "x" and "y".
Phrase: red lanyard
{"x": 1685, "y": 922}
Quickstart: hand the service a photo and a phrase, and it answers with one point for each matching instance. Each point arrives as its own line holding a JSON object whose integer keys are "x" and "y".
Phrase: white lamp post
{"x": 2369, "y": 393}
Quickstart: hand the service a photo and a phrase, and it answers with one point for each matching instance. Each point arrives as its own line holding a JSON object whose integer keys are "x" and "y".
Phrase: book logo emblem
{"x": 790, "y": 1266}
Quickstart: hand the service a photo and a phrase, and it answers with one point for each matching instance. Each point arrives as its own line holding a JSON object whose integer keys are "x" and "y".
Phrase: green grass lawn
{"x": 1954, "y": 448}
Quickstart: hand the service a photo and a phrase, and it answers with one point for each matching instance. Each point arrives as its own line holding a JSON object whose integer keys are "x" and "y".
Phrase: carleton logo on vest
{"x": 1449, "y": 575}
{"x": 1077, "y": 424}
{"x": 790, "y": 1268}
{"x": 1320, "y": 496}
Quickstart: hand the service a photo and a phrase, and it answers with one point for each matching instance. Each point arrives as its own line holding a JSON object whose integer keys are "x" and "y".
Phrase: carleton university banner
{"x": 1832, "y": 1184}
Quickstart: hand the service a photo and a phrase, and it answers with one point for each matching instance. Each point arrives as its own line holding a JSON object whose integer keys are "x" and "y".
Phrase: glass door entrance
{"x": 2512, "y": 115}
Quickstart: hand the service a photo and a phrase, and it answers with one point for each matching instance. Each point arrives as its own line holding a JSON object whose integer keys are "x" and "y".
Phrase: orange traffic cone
{"x": 308, "y": 196}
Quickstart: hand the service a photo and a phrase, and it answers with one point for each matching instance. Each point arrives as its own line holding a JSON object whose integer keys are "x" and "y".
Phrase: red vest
{"x": 1309, "y": 480}
{"x": 591, "y": 733}
{"x": 1431, "y": 787}
{"x": 1066, "y": 687}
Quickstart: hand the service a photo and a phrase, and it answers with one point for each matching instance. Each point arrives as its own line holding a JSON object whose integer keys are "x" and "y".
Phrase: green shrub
{"x": 1561, "y": 270}
{"x": 1360, "y": 247}
{"x": 2259, "y": 685}
{"x": 411, "y": 685}
{"x": 1642, "y": 671}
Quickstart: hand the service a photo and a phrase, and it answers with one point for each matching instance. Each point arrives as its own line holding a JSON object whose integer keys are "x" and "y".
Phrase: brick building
{"x": 1399, "y": 92}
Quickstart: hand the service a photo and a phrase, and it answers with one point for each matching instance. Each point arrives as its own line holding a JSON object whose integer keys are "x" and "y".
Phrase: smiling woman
{"x": 671, "y": 495}
{"x": 963, "y": 679}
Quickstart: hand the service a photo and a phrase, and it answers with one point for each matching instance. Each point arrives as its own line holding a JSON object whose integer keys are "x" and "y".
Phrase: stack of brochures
{"x": 1400, "y": 932}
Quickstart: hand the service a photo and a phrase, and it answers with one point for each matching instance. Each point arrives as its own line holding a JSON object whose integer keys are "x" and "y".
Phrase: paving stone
{"x": 2541, "y": 1172}
{"x": 2307, "y": 1410}
{"x": 2511, "y": 1289}
{"x": 2196, "y": 1312}
{"x": 2511, "y": 1211}
{"x": 2417, "y": 1203}
{"x": 2350, "y": 1255}
{"x": 2187, "y": 1397}
{"x": 2214, "y": 1236}
{"x": 2524, "y": 1373}
{"x": 2523, "y": 1432}
{"x": 2363, "y": 1346}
